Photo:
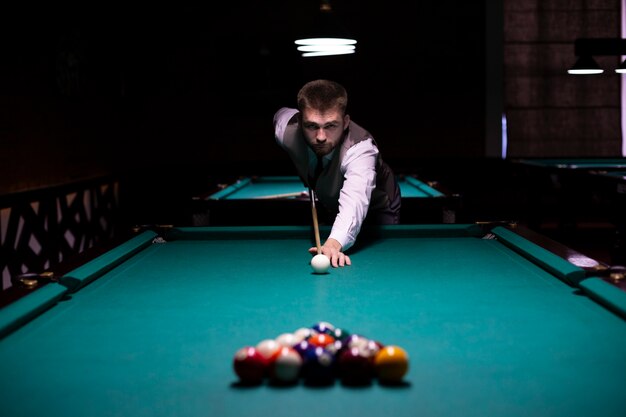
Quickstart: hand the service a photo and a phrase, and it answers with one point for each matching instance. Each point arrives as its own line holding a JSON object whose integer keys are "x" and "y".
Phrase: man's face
{"x": 323, "y": 130}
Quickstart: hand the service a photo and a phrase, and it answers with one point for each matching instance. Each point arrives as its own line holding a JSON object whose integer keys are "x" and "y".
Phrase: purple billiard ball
{"x": 323, "y": 327}
{"x": 304, "y": 348}
{"x": 318, "y": 367}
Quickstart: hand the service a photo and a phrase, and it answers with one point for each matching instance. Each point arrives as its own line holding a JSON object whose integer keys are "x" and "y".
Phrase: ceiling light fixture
{"x": 326, "y": 35}
{"x": 586, "y": 48}
{"x": 585, "y": 65}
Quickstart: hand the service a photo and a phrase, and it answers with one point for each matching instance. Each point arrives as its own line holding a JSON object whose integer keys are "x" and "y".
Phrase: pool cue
{"x": 316, "y": 227}
{"x": 277, "y": 196}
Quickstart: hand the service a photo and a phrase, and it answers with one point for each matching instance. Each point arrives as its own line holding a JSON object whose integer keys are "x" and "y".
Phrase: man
{"x": 340, "y": 161}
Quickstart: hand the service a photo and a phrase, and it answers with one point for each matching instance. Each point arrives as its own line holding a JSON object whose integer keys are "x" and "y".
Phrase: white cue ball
{"x": 320, "y": 263}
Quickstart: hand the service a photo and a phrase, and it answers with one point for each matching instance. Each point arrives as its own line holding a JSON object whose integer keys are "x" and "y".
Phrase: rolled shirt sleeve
{"x": 359, "y": 171}
{"x": 281, "y": 120}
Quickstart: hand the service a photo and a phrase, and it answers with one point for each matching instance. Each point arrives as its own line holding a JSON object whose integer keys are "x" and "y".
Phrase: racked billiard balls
{"x": 249, "y": 365}
{"x": 391, "y": 363}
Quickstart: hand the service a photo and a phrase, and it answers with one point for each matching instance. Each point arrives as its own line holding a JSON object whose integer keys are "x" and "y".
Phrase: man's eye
{"x": 311, "y": 127}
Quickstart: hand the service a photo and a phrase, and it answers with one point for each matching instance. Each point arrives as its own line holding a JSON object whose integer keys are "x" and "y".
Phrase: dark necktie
{"x": 318, "y": 170}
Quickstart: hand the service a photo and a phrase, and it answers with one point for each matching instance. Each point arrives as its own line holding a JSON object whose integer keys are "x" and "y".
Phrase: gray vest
{"x": 331, "y": 180}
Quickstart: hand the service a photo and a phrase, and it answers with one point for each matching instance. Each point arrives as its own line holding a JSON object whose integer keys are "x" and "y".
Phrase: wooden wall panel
{"x": 559, "y": 25}
{"x": 549, "y": 112}
{"x": 564, "y": 132}
{"x": 537, "y": 77}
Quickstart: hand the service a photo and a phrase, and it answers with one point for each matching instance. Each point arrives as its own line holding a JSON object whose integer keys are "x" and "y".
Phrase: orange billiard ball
{"x": 321, "y": 339}
{"x": 391, "y": 363}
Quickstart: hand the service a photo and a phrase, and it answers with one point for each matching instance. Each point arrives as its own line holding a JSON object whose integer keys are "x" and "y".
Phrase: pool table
{"x": 495, "y": 320}
{"x": 575, "y": 164}
{"x": 284, "y": 200}
{"x": 561, "y": 188}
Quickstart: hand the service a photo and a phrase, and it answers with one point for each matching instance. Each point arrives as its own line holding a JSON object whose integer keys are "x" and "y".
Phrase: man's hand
{"x": 332, "y": 249}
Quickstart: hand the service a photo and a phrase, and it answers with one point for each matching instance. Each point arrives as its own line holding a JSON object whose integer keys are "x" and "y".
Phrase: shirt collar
{"x": 326, "y": 158}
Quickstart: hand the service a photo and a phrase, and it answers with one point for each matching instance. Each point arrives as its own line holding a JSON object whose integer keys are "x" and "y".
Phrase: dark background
{"x": 179, "y": 98}
{"x": 95, "y": 90}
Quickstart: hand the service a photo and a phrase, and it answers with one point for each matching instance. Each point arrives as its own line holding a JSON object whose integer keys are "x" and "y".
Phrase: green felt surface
{"x": 261, "y": 187}
{"x": 250, "y": 188}
{"x": 412, "y": 187}
{"x": 578, "y": 163}
{"x": 488, "y": 332}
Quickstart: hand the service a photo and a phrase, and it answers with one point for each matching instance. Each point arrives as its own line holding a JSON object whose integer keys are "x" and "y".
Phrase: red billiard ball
{"x": 249, "y": 365}
{"x": 355, "y": 366}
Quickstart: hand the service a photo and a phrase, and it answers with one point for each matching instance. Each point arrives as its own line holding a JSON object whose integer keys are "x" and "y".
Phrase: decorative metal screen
{"x": 39, "y": 229}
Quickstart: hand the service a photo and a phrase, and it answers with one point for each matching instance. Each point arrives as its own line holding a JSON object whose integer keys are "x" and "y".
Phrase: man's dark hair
{"x": 323, "y": 95}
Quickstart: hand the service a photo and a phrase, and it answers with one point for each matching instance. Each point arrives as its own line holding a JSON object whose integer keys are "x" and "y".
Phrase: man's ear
{"x": 346, "y": 121}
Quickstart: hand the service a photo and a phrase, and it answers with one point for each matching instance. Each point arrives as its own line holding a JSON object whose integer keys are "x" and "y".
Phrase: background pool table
{"x": 571, "y": 195}
{"x": 494, "y": 324}
{"x": 284, "y": 200}
{"x": 575, "y": 164}
{"x": 562, "y": 189}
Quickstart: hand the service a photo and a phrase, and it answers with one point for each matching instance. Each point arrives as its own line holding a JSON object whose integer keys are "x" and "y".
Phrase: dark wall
{"x": 92, "y": 91}
{"x": 549, "y": 112}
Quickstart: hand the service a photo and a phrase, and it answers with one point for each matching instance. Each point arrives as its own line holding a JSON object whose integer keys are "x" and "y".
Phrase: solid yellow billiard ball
{"x": 391, "y": 364}
{"x": 320, "y": 263}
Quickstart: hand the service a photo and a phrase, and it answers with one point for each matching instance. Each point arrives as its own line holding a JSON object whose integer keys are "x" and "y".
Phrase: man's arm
{"x": 359, "y": 170}
{"x": 281, "y": 119}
